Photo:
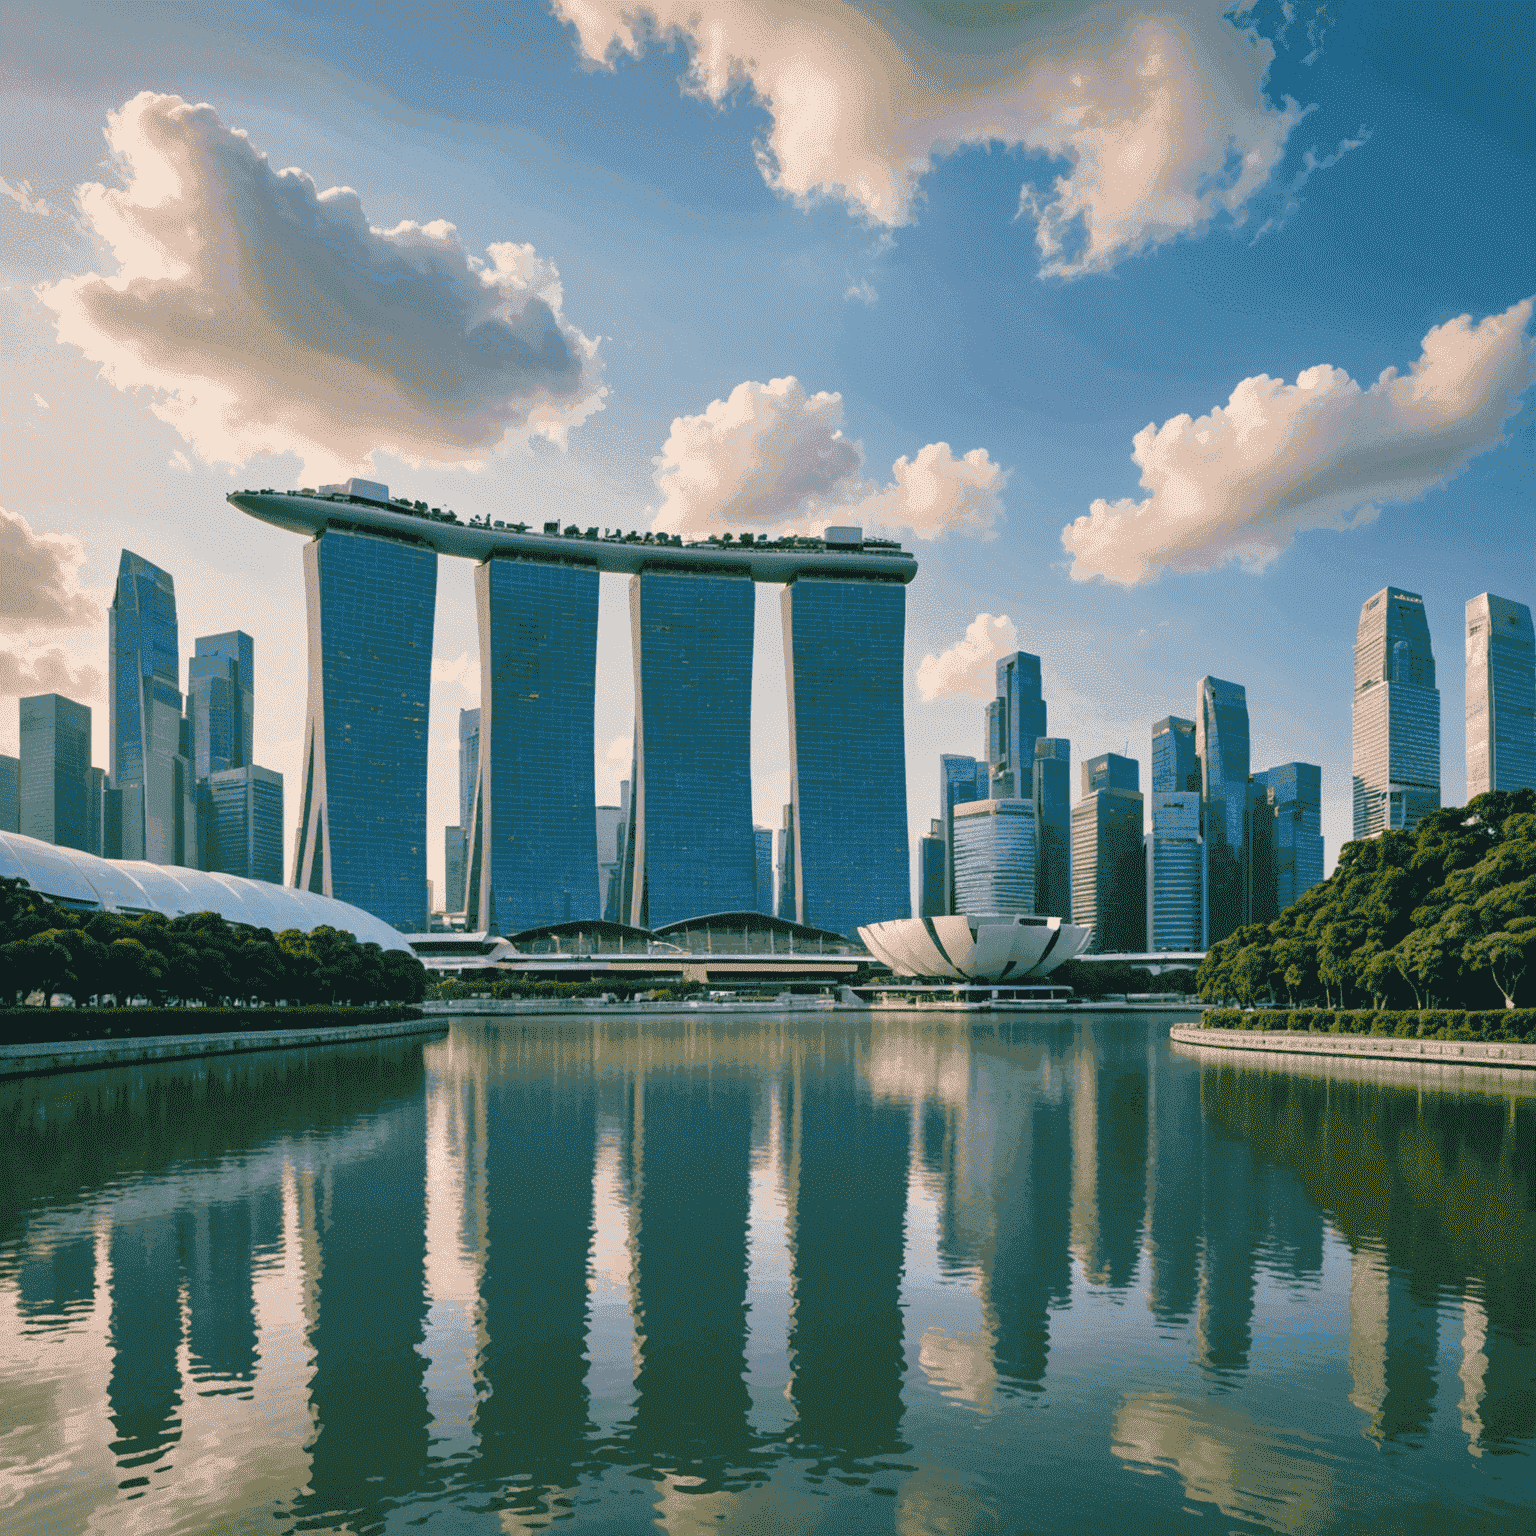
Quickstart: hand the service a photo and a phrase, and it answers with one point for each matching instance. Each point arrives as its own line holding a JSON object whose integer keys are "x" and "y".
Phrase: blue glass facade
{"x": 692, "y": 851}
{"x": 1221, "y": 744}
{"x": 930, "y": 871}
{"x": 1015, "y": 720}
{"x": 1501, "y": 696}
{"x": 245, "y": 823}
{"x": 469, "y": 764}
{"x": 538, "y": 669}
{"x": 764, "y": 836}
{"x": 151, "y": 775}
{"x": 844, "y": 644}
{"x": 1175, "y": 766}
{"x": 1285, "y": 855}
{"x": 363, "y": 837}
{"x": 788, "y": 906}
{"x": 1396, "y": 715}
{"x": 10, "y": 794}
{"x": 55, "y": 772}
{"x": 961, "y": 780}
{"x": 995, "y": 856}
{"x": 1109, "y": 872}
{"x": 221, "y": 698}
{"x": 1053, "y": 826}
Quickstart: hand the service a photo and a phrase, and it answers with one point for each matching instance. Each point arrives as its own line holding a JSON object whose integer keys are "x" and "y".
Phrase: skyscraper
{"x": 245, "y": 823}
{"x": 10, "y": 794}
{"x": 469, "y": 764}
{"x": 1052, "y": 784}
{"x": 1396, "y": 716}
{"x": 764, "y": 868}
{"x": 55, "y": 775}
{"x": 1175, "y": 766}
{"x": 1175, "y": 870}
{"x": 538, "y": 667}
{"x": 1014, "y": 722}
{"x": 961, "y": 780}
{"x": 843, "y": 651}
{"x": 788, "y": 907}
{"x": 362, "y": 833}
{"x": 1108, "y": 858}
{"x": 995, "y": 856}
{"x": 1501, "y": 696}
{"x": 221, "y": 702}
{"x": 455, "y": 867}
{"x": 930, "y": 871}
{"x": 690, "y": 849}
{"x": 152, "y": 780}
{"x": 1221, "y": 745}
{"x": 1286, "y": 859}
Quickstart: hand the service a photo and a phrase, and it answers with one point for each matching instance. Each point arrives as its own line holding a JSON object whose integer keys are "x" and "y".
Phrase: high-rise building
{"x": 55, "y": 772}
{"x": 152, "y": 780}
{"x": 97, "y": 793}
{"x": 764, "y": 841}
{"x": 1286, "y": 838}
{"x": 1175, "y": 854}
{"x": 10, "y": 794}
{"x": 221, "y": 702}
{"x": 362, "y": 832}
{"x": 690, "y": 848}
{"x": 1014, "y": 721}
{"x": 930, "y": 871}
{"x": 245, "y": 823}
{"x": 788, "y": 906}
{"x": 1221, "y": 746}
{"x": 469, "y": 764}
{"x": 995, "y": 856}
{"x": 1501, "y": 696}
{"x": 961, "y": 780}
{"x": 1175, "y": 765}
{"x": 538, "y": 671}
{"x": 1052, "y": 786}
{"x": 1396, "y": 715}
{"x": 455, "y": 867}
{"x": 1108, "y": 857}
{"x": 844, "y": 641}
{"x": 610, "y": 837}
{"x": 613, "y": 892}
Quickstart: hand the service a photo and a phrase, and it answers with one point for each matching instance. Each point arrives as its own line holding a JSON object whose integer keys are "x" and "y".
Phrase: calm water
{"x": 781, "y": 1276}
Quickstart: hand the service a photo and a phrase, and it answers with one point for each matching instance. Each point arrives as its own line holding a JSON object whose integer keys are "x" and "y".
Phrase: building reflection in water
{"x": 1062, "y": 1158}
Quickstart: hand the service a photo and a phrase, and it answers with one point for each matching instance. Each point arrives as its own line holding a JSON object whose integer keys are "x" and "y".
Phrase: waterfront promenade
{"x": 1491, "y": 1053}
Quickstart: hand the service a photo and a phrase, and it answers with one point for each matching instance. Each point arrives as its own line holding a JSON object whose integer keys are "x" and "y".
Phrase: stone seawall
{"x": 1461, "y": 1053}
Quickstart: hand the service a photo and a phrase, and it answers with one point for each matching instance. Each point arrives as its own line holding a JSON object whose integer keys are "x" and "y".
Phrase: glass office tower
{"x": 788, "y": 906}
{"x": 1501, "y": 696}
{"x": 930, "y": 871}
{"x": 1175, "y": 872}
{"x": 1109, "y": 892}
{"x": 363, "y": 822}
{"x": 455, "y": 867}
{"x": 221, "y": 702}
{"x": 55, "y": 772}
{"x": 538, "y": 673}
{"x": 1014, "y": 721}
{"x": 469, "y": 763}
{"x": 10, "y": 794}
{"x": 1286, "y": 857}
{"x": 245, "y": 823}
{"x": 961, "y": 780}
{"x": 690, "y": 851}
{"x": 1221, "y": 745}
{"x": 764, "y": 846}
{"x": 1396, "y": 715}
{"x": 152, "y": 780}
{"x": 844, "y": 644}
{"x": 995, "y": 856}
{"x": 1175, "y": 765}
{"x": 1052, "y": 781}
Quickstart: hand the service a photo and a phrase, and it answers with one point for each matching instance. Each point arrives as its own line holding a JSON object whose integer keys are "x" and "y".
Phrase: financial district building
{"x": 530, "y": 838}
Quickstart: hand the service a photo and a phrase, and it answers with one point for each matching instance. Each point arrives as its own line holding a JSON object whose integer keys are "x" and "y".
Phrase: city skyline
{"x": 940, "y": 372}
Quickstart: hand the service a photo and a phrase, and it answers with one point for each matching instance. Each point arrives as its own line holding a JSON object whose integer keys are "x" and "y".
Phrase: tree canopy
{"x": 1442, "y": 916}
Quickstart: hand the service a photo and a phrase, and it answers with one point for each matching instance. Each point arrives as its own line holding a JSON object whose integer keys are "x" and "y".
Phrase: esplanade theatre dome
{"x": 975, "y": 946}
{"x": 84, "y": 883}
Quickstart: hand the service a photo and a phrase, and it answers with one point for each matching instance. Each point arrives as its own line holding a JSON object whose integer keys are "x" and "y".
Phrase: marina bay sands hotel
{"x": 371, "y": 585}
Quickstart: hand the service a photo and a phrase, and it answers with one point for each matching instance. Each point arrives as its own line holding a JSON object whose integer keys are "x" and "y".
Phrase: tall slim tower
{"x": 55, "y": 772}
{"x": 1396, "y": 716}
{"x": 1175, "y": 765}
{"x": 1109, "y": 882}
{"x": 1221, "y": 745}
{"x": 1501, "y": 696}
{"x": 221, "y": 699}
{"x": 961, "y": 780}
{"x": 1014, "y": 722}
{"x": 1052, "y": 782}
{"x": 152, "y": 780}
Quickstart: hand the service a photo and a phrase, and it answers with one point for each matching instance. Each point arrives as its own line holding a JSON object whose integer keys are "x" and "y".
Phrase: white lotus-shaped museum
{"x": 975, "y": 947}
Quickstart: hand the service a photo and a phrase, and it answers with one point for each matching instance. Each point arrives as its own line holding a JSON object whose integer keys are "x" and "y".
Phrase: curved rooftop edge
{"x": 975, "y": 946}
{"x": 84, "y": 883}
{"x": 770, "y": 561}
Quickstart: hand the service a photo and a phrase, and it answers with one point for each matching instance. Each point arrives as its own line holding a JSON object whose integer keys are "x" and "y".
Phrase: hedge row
{"x": 1426, "y": 1024}
{"x": 37, "y": 1026}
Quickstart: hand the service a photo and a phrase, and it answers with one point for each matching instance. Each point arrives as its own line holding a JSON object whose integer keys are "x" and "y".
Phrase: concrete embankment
{"x": 75, "y": 1055}
{"x": 1461, "y": 1053}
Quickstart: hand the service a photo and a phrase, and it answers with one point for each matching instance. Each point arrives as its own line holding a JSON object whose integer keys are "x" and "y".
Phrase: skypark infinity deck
{"x": 842, "y": 552}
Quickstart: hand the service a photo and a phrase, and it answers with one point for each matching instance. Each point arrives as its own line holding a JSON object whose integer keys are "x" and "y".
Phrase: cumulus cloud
{"x": 25, "y": 670}
{"x": 21, "y": 195}
{"x": 40, "y": 580}
{"x": 269, "y": 316}
{"x": 1161, "y": 119}
{"x": 464, "y": 669}
{"x": 1279, "y": 458}
{"x": 773, "y": 459}
{"x": 969, "y": 666}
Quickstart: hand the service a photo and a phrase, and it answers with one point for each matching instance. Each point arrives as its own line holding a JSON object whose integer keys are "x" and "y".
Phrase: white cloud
{"x": 267, "y": 316}
{"x": 1279, "y": 458}
{"x": 463, "y": 669}
{"x": 969, "y": 666}
{"x": 863, "y": 291}
{"x": 38, "y": 401}
{"x": 21, "y": 195}
{"x": 1311, "y": 162}
{"x": 1161, "y": 119}
{"x": 40, "y": 580}
{"x": 773, "y": 459}
{"x": 27, "y": 669}
{"x": 179, "y": 460}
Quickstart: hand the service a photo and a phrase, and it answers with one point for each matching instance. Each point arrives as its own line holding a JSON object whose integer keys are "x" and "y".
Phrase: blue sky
{"x": 1367, "y": 188}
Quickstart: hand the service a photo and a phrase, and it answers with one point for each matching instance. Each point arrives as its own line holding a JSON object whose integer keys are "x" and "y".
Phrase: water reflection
{"x": 344, "y": 1287}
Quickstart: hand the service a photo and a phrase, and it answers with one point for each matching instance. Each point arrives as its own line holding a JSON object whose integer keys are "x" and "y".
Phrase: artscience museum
{"x": 975, "y": 947}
